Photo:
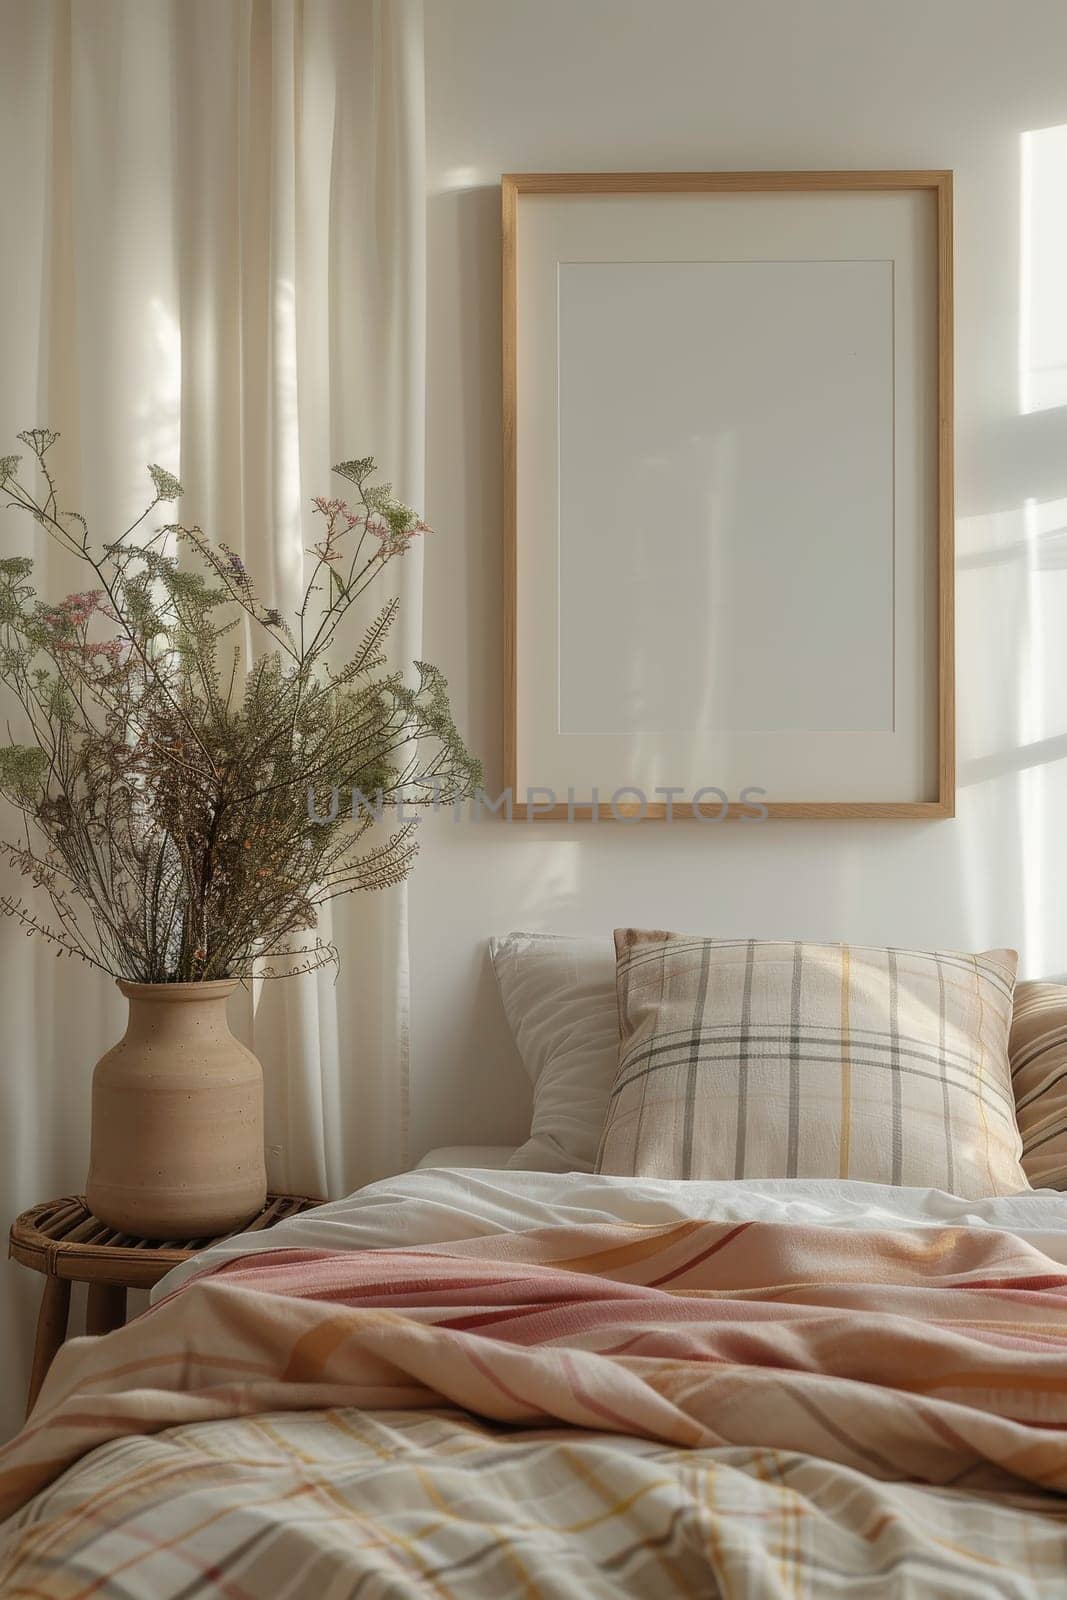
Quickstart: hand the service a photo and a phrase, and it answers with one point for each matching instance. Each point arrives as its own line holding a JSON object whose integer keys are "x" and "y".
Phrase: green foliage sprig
{"x": 166, "y": 789}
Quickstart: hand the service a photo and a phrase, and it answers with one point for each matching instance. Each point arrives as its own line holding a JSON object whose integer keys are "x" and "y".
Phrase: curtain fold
{"x": 213, "y": 257}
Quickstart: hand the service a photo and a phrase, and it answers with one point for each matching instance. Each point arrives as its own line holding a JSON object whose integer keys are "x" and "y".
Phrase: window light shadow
{"x": 1002, "y": 763}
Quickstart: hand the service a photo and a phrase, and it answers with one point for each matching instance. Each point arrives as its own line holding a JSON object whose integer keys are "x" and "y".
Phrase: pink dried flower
{"x": 80, "y": 607}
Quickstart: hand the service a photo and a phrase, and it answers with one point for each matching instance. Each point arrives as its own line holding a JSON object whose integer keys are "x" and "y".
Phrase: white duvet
{"x": 436, "y": 1205}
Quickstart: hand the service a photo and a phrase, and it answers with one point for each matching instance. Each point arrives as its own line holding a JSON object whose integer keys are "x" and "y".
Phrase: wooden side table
{"x": 62, "y": 1239}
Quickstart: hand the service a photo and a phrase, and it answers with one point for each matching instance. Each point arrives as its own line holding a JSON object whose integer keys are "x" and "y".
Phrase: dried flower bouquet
{"x": 165, "y": 787}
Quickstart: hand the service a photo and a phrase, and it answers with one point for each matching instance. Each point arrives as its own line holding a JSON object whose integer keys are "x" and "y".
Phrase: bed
{"x": 477, "y": 1382}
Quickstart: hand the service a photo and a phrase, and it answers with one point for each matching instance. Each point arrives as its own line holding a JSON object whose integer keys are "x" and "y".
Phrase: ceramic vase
{"x": 177, "y": 1121}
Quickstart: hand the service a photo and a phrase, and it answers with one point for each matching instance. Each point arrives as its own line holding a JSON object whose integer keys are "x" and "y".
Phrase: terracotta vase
{"x": 177, "y": 1133}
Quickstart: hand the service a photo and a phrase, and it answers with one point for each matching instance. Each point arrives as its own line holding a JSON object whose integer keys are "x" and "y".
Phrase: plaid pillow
{"x": 1038, "y": 1053}
{"x": 750, "y": 1059}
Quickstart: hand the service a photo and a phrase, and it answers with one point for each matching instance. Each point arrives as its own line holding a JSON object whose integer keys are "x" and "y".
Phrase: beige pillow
{"x": 1038, "y": 1051}
{"x": 559, "y": 998}
{"x": 750, "y": 1059}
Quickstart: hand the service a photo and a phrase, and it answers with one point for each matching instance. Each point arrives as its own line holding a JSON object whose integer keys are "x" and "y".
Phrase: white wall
{"x": 597, "y": 84}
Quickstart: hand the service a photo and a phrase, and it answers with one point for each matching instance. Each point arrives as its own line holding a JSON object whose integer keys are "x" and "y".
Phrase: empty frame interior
{"x": 726, "y": 417}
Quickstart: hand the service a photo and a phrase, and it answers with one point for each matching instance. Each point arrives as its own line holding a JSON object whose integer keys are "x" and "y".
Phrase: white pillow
{"x": 559, "y": 999}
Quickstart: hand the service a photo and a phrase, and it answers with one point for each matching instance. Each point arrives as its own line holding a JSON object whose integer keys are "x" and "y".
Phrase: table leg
{"x": 51, "y": 1331}
{"x": 106, "y": 1309}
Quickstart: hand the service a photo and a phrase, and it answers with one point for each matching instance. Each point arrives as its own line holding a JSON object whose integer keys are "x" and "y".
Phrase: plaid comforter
{"x": 692, "y": 1409}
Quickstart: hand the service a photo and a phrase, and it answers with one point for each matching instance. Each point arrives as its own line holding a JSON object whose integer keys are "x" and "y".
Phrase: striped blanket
{"x": 693, "y": 1409}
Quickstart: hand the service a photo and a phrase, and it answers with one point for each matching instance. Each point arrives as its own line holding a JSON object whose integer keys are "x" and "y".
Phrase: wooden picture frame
{"x": 937, "y": 800}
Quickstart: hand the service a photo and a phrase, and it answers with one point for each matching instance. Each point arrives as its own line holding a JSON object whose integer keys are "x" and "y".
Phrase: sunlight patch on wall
{"x": 463, "y": 178}
{"x": 1043, "y": 270}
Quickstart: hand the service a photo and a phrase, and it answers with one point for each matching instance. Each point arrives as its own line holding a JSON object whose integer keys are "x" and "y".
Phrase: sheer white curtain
{"x": 212, "y": 223}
